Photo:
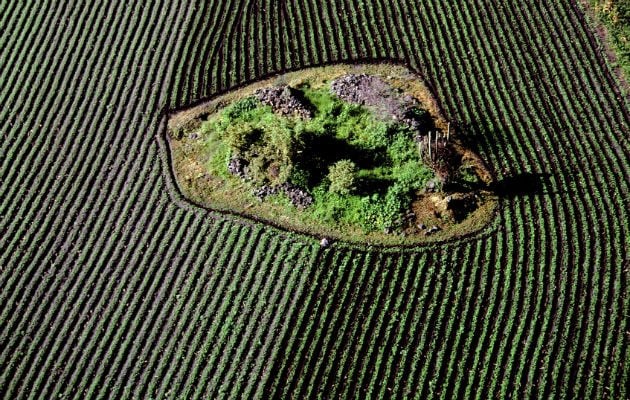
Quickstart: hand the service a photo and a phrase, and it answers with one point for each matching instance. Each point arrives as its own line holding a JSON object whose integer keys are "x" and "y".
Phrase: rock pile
{"x": 297, "y": 197}
{"x": 284, "y": 101}
{"x": 236, "y": 167}
{"x": 374, "y": 92}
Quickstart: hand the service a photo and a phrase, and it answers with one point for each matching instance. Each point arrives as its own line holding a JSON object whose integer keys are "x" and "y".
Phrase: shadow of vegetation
{"x": 479, "y": 136}
{"x": 324, "y": 150}
{"x": 525, "y": 184}
{"x": 367, "y": 186}
{"x": 519, "y": 185}
{"x": 302, "y": 99}
{"x": 328, "y": 149}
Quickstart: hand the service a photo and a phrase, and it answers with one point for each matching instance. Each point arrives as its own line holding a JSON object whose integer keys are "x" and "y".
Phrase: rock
{"x": 284, "y": 101}
{"x": 298, "y": 197}
{"x": 384, "y": 99}
{"x": 236, "y": 166}
{"x": 431, "y": 230}
{"x": 422, "y": 227}
{"x": 324, "y": 242}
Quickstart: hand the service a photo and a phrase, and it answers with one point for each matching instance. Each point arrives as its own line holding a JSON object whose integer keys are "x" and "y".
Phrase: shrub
{"x": 413, "y": 175}
{"x": 239, "y": 108}
{"x": 341, "y": 176}
{"x": 241, "y": 136}
{"x": 300, "y": 176}
{"x": 380, "y": 212}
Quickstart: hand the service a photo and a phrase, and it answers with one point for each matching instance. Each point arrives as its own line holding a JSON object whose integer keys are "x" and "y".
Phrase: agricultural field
{"x": 114, "y": 285}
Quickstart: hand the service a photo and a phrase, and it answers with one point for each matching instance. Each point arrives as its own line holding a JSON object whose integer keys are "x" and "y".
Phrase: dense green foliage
{"x": 115, "y": 286}
{"x": 361, "y": 169}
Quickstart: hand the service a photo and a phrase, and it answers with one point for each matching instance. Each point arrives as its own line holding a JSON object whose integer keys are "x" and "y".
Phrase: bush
{"x": 379, "y": 135}
{"x": 402, "y": 149}
{"x": 300, "y": 176}
{"x": 380, "y": 212}
{"x": 217, "y": 164}
{"x": 413, "y": 175}
{"x": 239, "y": 108}
{"x": 341, "y": 176}
{"x": 241, "y": 136}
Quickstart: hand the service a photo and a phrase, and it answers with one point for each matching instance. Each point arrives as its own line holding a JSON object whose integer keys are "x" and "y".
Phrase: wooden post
{"x": 436, "y": 144}
{"x": 430, "y": 158}
{"x": 448, "y": 132}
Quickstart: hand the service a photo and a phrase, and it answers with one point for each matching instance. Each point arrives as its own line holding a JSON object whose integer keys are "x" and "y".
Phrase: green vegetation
{"x": 359, "y": 168}
{"x": 615, "y": 14}
{"x": 341, "y": 176}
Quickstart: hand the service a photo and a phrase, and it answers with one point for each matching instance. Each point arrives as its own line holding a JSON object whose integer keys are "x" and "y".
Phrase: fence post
{"x": 436, "y": 144}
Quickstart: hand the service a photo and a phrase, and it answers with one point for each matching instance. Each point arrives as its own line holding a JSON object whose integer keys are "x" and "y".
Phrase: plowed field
{"x": 112, "y": 285}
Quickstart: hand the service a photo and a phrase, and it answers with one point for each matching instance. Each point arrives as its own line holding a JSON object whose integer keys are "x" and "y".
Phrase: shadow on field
{"x": 479, "y": 136}
{"x": 525, "y": 184}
